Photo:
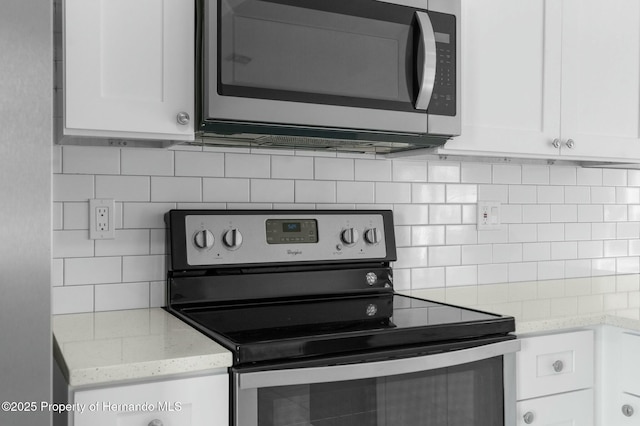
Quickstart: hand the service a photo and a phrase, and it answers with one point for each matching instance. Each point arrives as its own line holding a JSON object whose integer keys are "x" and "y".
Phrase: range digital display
{"x": 291, "y": 231}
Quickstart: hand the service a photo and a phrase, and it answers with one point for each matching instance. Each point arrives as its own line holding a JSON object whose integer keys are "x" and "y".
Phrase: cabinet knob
{"x": 558, "y": 366}
{"x": 183, "y": 118}
{"x": 627, "y": 410}
{"x": 570, "y": 143}
{"x": 528, "y": 417}
{"x": 556, "y": 143}
{"x": 155, "y": 422}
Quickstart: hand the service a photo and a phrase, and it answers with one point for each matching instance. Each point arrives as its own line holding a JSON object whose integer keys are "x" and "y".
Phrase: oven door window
{"x": 360, "y": 53}
{"x": 462, "y": 395}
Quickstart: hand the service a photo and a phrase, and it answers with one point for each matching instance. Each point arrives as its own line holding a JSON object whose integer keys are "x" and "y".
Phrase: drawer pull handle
{"x": 155, "y": 422}
{"x": 627, "y": 410}
{"x": 558, "y": 366}
{"x": 528, "y": 417}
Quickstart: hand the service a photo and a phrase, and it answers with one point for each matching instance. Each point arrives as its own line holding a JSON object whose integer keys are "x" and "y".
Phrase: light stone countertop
{"x": 104, "y": 347}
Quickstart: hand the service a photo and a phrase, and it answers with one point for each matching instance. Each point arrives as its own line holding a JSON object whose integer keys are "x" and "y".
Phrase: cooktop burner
{"x": 275, "y": 286}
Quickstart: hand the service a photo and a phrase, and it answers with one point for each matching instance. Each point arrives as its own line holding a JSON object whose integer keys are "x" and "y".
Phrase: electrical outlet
{"x": 102, "y": 219}
{"x": 488, "y": 215}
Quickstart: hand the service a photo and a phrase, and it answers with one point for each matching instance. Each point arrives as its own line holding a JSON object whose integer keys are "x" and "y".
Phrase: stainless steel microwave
{"x": 361, "y": 75}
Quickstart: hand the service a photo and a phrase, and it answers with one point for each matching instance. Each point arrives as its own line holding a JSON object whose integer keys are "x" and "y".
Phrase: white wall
{"x": 25, "y": 219}
{"x": 559, "y": 221}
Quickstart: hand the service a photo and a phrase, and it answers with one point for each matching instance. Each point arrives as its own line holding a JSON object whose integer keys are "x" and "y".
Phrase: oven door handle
{"x": 426, "y": 61}
{"x": 338, "y": 373}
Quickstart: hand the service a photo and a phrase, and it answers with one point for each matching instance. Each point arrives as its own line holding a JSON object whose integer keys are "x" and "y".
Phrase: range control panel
{"x": 229, "y": 239}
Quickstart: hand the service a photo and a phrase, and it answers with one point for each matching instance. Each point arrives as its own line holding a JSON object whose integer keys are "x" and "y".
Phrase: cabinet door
{"x": 601, "y": 78}
{"x": 568, "y": 409}
{"x": 185, "y": 402}
{"x": 129, "y": 68}
{"x": 510, "y": 78}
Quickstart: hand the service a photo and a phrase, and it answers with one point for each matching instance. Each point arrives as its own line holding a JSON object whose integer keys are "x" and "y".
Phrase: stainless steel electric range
{"x": 305, "y": 302}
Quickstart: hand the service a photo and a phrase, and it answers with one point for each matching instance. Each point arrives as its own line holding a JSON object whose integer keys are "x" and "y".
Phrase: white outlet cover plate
{"x": 488, "y": 215}
{"x": 94, "y": 232}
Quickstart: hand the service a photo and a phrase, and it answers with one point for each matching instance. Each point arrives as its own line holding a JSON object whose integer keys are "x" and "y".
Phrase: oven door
{"x": 358, "y": 64}
{"x": 468, "y": 387}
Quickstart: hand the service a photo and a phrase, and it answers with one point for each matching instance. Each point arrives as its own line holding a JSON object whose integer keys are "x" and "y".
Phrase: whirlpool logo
{"x": 294, "y": 252}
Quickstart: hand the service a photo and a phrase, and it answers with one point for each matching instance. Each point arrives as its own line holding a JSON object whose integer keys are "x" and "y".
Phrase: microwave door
{"x": 426, "y": 61}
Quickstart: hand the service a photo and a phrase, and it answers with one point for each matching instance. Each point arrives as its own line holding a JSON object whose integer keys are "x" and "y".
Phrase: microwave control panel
{"x": 443, "y": 99}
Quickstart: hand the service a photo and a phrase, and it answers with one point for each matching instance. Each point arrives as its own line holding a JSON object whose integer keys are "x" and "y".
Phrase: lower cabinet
{"x": 555, "y": 379}
{"x": 572, "y": 408}
{"x": 191, "y": 401}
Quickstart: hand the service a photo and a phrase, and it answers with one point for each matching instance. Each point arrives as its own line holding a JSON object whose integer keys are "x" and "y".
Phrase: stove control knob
{"x": 203, "y": 239}
{"x": 373, "y": 236}
{"x": 232, "y": 239}
{"x": 350, "y": 236}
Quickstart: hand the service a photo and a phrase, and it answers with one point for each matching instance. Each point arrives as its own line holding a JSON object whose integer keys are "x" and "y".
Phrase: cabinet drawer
{"x": 625, "y": 411}
{"x": 186, "y": 402}
{"x": 573, "y": 408}
{"x": 555, "y": 363}
{"x": 629, "y": 365}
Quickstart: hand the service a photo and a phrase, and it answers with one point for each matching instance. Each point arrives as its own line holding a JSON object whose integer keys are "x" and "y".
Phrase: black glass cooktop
{"x": 293, "y": 329}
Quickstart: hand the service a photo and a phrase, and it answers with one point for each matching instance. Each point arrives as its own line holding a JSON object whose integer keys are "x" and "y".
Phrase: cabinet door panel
{"x": 601, "y": 78}
{"x": 128, "y": 66}
{"x": 511, "y": 77}
{"x": 568, "y": 409}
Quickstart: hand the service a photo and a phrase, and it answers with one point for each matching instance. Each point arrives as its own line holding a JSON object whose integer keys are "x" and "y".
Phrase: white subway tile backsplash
{"x": 200, "y": 164}
{"x": 589, "y": 177}
{"x": 577, "y": 231}
{"x": 272, "y": 191}
{"x": 309, "y": 191}
{"x": 124, "y": 188}
{"x": 557, "y": 221}
{"x": 507, "y": 174}
{"x": 126, "y": 242}
{"x": 603, "y": 195}
{"x": 74, "y": 216}
{"x": 143, "y": 268}
{"x": 522, "y": 194}
{"x": 493, "y": 193}
{"x": 372, "y": 170}
{"x": 291, "y": 167}
{"x": 443, "y": 172}
{"x": 72, "y": 244}
{"x": 121, "y": 296}
{"x": 444, "y": 256}
{"x": 411, "y": 214}
{"x": 146, "y": 162}
{"x": 562, "y": 175}
{"x": 145, "y": 215}
{"x": 427, "y": 193}
{"x": 92, "y": 270}
{"x": 73, "y": 187}
{"x": 614, "y": 177}
{"x": 408, "y": 171}
{"x": 445, "y": 214}
{"x": 176, "y": 189}
{"x": 461, "y": 234}
{"x": 535, "y": 175}
{"x": 334, "y": 169}
{"x": 461, "y": 193}
{"x": 392, "y": 192}
{"x": 355, "y": 192}
{"x": 577, "y": 195}
{"x": 69, "y": 300}
{"x": 225, "y": 190}
{"x": 550, "y": 194}
{"x": 428, "y": 235}
{"x": 247, "y": 166}
{"x": 476, "y": 173}
{"x": 91, "y": 160}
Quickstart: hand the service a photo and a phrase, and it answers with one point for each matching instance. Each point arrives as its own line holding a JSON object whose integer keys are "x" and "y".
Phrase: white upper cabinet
{"x": 537, "y": 72}
{"x": 129, "y": 68}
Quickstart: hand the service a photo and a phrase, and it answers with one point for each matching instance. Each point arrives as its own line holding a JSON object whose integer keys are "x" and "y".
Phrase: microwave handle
{"x": 426, "y": 60}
